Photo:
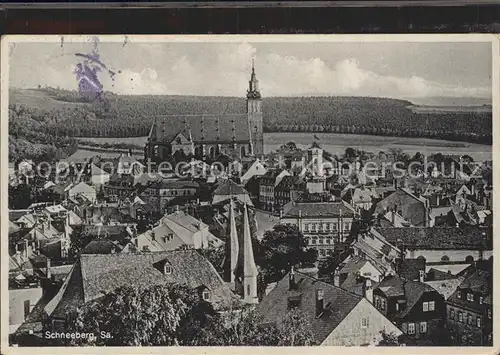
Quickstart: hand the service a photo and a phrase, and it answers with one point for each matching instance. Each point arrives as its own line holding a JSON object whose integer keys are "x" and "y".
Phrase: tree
{"x": 215, "y": 255}
{"x": 388, "y": 339}
{"x": 160, "y": 315}
{"x": 79, "y": 240}
{"x": 282, "y": 247}
{"x": 21, "y": 196}
{"x": 350, "y": 153}
{"x": 238, "y": 326}
{"x": 295, "y": 330}
{"x": 244, "y": 327}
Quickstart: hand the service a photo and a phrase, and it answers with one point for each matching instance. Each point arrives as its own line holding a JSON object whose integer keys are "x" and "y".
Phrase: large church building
{"x": 208, "y": 135}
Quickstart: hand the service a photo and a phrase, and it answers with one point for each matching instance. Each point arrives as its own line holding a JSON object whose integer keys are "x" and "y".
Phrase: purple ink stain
{"x": 87, "y": 71}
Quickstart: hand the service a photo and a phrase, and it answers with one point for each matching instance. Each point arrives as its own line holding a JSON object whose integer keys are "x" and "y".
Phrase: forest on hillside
{"x": 49, "y": 116}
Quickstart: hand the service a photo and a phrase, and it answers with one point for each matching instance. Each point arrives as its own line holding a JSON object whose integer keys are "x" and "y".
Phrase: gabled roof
{"x": 438, "y": 238}
{"x": 320, "y": 209}
{"x": 94, "y": 275}
{"x": 207, "y": 128}
{"x": 101, "y": 247}
{"x": 412, "y": 291}
{"x": 229, "y": 188}
{"x": 338, "y": 303}
{"x": 354, "y": 264}
{"x": 445, "y": 287}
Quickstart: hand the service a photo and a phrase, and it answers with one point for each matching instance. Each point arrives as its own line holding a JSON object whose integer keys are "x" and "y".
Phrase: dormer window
{"x": 470, "y": 297}
{"x": 167, "y": 269}
{"x": 480, "y": 299}
{"x": 206, "y": 295}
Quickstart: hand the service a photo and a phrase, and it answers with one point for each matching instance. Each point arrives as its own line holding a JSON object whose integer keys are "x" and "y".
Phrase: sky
{"x": 386, "y": 69}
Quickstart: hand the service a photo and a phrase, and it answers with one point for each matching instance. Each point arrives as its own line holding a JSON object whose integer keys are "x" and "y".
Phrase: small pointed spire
{"x": 249, "y": 267}
{"x": 233, "y": 239}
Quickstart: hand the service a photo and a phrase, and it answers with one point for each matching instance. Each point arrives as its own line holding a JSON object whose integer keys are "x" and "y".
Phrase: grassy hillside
{"x": 44, "y": 115}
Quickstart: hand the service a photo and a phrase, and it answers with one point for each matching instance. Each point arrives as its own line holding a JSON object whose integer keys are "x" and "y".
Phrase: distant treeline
{"x": 67, "y": 114}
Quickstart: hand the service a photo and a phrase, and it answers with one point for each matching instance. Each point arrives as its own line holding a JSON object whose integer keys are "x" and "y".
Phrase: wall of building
{"x": 350, "y": 332}
{"x": 465, "y": 333}
{"x": 453, "y": 255}
{"x": 17, "y": 299}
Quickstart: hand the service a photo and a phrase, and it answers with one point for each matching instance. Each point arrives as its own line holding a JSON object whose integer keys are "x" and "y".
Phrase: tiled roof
{"x": 409, "y": 268}
{"x": 354, "y": 264}
{"x": 445, "y": 287}
{"x": 479, "y": 282}
{"x": 229, "y": 188}
{"x": 93, "y": 275}
{"x": 439, "y": 238}
{"x": 100, "y": 247}
{"x": 320, "y": 209}
{"x": 337, "y": 303}
{"x": 394, "y": 286}
{"x": 203, "y": 128}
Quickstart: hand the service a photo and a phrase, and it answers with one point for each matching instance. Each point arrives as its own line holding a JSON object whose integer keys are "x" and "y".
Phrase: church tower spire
{"x": 254, "y": 113}
{"x": 232, "y": 247}
{"x": 250, "y": 271}
{"x": 253, "y": 85}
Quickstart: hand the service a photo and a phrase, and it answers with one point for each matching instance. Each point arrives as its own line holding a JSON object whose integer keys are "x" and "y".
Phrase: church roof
{"x": 208, "y": 128}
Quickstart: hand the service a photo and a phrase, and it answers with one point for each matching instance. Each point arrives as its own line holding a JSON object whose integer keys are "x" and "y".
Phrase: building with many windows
{"x": 470, "y": 308}
{"x": 325, "y": 225}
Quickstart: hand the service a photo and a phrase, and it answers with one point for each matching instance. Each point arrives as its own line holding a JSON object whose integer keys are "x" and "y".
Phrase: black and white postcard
{"x": 267, "y": 191}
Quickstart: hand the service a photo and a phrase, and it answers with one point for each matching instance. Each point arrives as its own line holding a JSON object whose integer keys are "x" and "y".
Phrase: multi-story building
{"x": 267, "y": 184}
{"x": 470, "y": 308}
{"x": 415, "y": 307}
{"x": 159, "y": 193}
{"x": 325, "y": 225}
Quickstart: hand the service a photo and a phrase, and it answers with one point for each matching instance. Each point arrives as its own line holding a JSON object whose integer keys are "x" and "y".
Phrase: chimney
{"x": 291, "y": 279}
{"x": 393, "y": 217}
{"x": 26, "y": 248}
{"x": 421, "y": 275}
{"x": 319, "y": 303}
{"x": 336, "y": 277}
{"x": 426, "y": 212}
{"x": 47, "y": 269}
{"x": 368, "y": 290}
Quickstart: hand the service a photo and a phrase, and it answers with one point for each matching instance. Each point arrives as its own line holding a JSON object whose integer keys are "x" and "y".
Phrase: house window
{"x": 167, "y": 269}
{"x": 480, "y": 299}
{"x": 489, "y": 313}
{"x": 470, "y": 297}
{"x": 432, "y": 306}
{"x": 460, "y": 317}
{"x": 452, "y": 313}
{"x": 411, "y": 328}
{"x": 364, "y": 322}
{"x": 248, "y": 290}
{"x": 206, "y": 295}
{"x": 470, "y": 319}
{"x": 478, "y": 320}
{"x": 383, "y": 303}
{"x": 459, "y": 294}
{"x": 423, "y": 327}
{"x": 397, "y": 307}
{"x": 306, "y": 227}
{"x": 425, "y": 307}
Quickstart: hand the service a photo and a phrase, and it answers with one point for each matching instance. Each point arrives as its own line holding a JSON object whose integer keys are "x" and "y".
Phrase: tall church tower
{"x": 254, "y": 113}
